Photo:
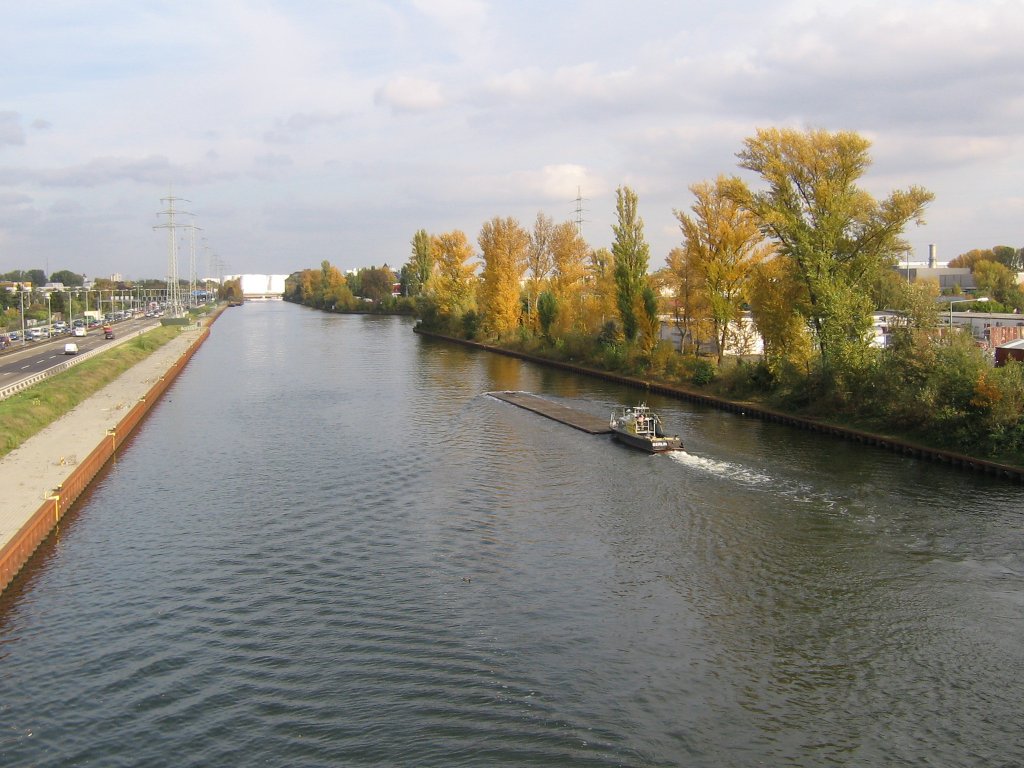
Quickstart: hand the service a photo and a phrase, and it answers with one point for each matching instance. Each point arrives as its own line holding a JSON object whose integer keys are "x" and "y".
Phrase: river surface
{"x": 328, "y": 546}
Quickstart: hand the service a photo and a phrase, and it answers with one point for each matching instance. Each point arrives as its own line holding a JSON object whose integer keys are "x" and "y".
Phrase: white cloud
{"x": 516, "y": 105}
{"x": 11, "y": 131}
{"x": 410, "y": 94}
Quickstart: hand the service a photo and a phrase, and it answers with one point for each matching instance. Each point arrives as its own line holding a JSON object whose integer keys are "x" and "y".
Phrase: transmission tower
{"x": 193, "y": 278}
{"x": 578, "y": 213}
{"x": 173, "y": 287}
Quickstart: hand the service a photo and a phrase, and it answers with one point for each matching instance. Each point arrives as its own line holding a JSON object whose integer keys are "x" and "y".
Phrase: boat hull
{"x": 649, "y": 444}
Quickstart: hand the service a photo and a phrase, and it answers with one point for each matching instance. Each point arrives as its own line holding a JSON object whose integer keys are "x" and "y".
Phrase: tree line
{"x": 805, "y": 252}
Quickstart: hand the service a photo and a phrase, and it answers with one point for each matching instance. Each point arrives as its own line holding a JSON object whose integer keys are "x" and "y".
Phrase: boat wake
{"x": 800, "y": 492}
{"x": 738, "y": 472}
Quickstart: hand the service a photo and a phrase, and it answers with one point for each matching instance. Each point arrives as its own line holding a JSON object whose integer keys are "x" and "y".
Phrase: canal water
{"x": 328, "y": 546}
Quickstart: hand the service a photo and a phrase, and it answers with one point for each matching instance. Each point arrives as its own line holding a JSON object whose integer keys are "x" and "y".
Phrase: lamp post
{"x": 49, "y": 315}
{"x": 22, "y": 294}
{"x": 962, "y": 301}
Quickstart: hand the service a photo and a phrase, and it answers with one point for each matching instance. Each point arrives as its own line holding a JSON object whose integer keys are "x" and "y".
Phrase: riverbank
{"x": 43, "y": 477}
{"x": 893, "y": 444}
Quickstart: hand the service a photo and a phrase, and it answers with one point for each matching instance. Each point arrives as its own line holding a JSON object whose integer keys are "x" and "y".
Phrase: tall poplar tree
{"x": 421, "y": 262}
{"x": 504, "y": 245}
{"x": 631, "y": 258}
{"x": 538, "y": 259}
{"x": 569, "y": 260}
{"x": 451, "y": 284}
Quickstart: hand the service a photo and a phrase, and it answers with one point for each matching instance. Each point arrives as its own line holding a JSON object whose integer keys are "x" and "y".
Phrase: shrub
{"x": 703, "y": 373}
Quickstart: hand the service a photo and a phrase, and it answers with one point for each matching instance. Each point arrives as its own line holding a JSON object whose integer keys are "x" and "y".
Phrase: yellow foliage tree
{"x": 451, "y": 285}
{"x": 723, "y": 242}
{"x": 775, "y": 295}
{"x": 687, "y": 302}
{"x": 504, "y": 245}
{"x": 538, "y": 262}
{"x": 599, "y": 300}
{"x": 569, "y": 271}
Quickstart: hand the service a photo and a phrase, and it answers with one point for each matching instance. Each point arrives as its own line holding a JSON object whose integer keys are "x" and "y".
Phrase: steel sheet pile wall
{"x": 20, "y": 548}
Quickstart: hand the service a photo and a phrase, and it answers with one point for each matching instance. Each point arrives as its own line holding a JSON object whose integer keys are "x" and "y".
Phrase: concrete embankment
{"x": 41, "y": 479}
{"x": 959, "y": 461}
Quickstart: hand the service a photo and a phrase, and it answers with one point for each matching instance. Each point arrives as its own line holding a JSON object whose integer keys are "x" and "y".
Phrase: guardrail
{"x": 18, "y": 386}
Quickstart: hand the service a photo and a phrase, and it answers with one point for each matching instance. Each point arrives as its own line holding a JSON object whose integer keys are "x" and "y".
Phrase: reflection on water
{"x": 328, "y": 546}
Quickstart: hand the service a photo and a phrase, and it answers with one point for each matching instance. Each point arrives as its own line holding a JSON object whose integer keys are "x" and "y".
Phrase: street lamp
{"x": 962, "y": 301}
{"x": 24, "y": 341}
{"x": 49, "y": 315}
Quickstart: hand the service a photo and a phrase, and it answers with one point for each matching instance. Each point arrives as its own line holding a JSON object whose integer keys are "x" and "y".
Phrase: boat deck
{"x": 587, "y": 422}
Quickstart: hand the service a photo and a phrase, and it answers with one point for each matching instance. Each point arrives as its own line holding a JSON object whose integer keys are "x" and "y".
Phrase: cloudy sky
{"x": 304, "y": 130}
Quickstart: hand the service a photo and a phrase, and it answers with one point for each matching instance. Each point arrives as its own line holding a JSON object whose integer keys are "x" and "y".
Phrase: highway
{"x": 21, "y": 361}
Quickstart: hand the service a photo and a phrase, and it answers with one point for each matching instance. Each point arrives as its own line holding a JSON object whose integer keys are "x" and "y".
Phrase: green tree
{"x": 504, "y": 245}
{"x": 421, "y": 262}
{"x": 67, "y": 277}
{"x": 547, "y": 311}
{"x": 836, "y": 236}
{"x": 631, "y": 259}
{"x": 996, "y": 280}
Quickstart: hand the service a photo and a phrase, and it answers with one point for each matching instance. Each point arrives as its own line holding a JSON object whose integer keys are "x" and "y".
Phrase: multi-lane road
{"x": 20, "y": 361}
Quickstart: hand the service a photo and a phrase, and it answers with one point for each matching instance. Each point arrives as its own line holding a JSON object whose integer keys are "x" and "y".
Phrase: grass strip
{"x": 30, "y": 411}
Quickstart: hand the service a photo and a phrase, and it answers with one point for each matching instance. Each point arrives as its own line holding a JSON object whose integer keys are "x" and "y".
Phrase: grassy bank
{"x": 28, "y": 412}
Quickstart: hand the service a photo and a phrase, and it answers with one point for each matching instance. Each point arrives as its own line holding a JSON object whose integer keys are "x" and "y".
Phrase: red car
{"x": 108, "y": 332}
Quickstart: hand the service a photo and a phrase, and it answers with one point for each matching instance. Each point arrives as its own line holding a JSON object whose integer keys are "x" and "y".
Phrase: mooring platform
{"x": 563, "y": 414}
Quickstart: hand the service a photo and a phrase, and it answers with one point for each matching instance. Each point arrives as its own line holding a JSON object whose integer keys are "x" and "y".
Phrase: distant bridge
{"x": 261, "y": 287}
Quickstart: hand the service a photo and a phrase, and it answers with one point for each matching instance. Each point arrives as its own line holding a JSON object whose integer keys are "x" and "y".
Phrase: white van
{"x": 71, "y": 348}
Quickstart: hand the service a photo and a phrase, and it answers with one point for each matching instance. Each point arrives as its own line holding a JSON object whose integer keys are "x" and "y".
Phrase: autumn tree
{"x": 504, "y": 245}
{"x": 568, "y": 274}
{"x": 538, "y": 259}
{"x": 775, "y": 294}
{"x": 376, "y": 283}
{"x": 599, "y": 303}
{"x": 631, "y": 258}
{"x": 687, "y": 307}
{"x": 451, "y": 285}
{"x": 995, "y": 280}
{"x": 724, "y": 243}
{"x": 1009, "y": 257}
{"x": 836, "y": 236}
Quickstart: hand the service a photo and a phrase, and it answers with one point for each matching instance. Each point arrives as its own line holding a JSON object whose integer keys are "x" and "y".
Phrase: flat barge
{"x": 594, "y": 425}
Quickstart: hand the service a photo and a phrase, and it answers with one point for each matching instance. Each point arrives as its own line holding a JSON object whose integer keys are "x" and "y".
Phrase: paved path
{"x": 29, "y": 473}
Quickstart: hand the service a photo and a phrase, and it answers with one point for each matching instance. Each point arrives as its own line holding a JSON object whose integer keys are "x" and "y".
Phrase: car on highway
{"x": 108, "y": 332}
{"x": 71, "y": 348}
{"x": 78, "y": 330}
